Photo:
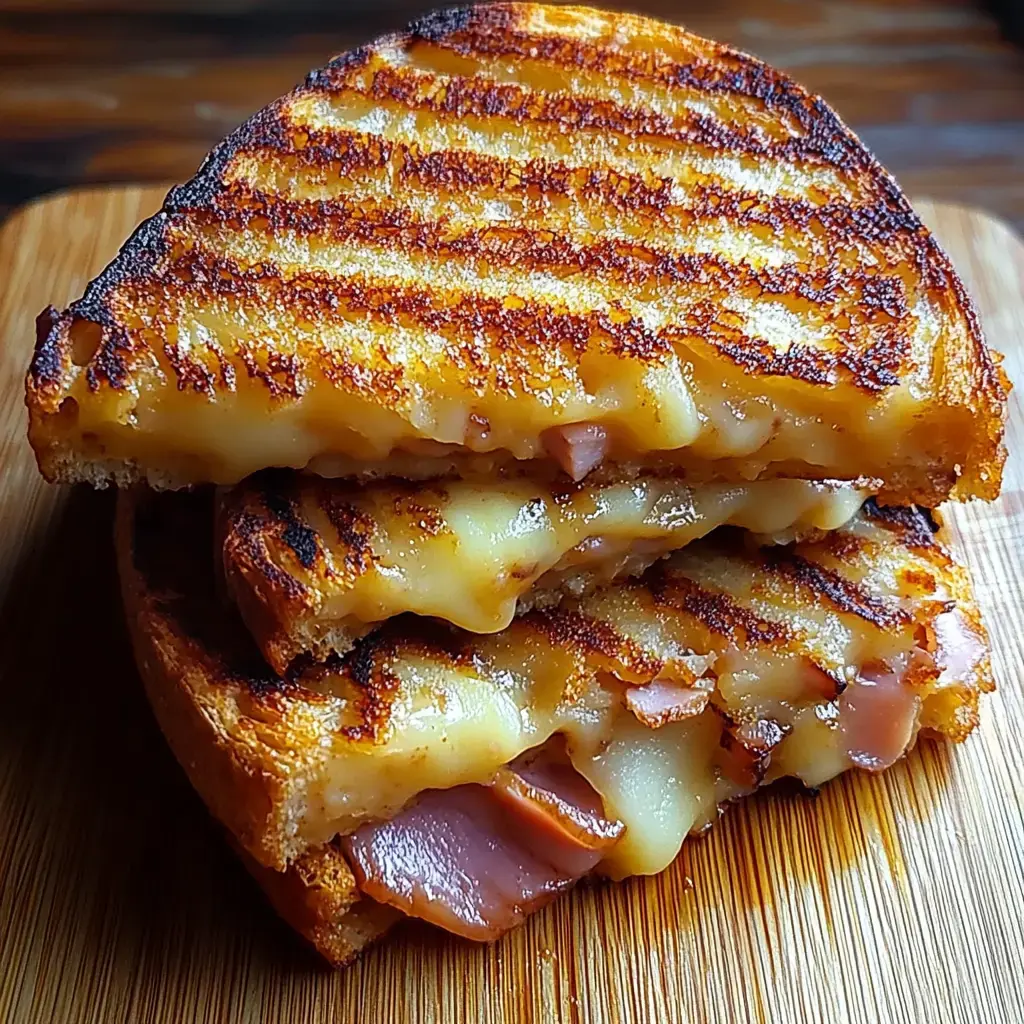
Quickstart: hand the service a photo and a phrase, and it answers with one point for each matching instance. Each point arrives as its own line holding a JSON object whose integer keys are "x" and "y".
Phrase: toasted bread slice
{"x": 318, "y": 897}
{"x": 798, "y": 661}
{"x": 314, "y": 564}
{"x": 519, "y": 232}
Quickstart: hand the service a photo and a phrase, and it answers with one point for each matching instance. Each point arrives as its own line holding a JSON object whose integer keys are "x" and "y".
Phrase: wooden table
{"x": 138, "y": 90}
{"x": 888, "y": 899}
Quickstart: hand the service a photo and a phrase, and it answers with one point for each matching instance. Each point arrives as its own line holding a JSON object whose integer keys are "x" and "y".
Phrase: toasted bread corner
{"x": 317, "y": 896}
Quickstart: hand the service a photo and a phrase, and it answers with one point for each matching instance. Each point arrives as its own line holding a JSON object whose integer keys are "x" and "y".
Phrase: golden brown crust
{"x": 838, "y": 248}
{"x": 229, "y": 720}
{"x": 269, "y": 596}
{"x": 234, "y": 770}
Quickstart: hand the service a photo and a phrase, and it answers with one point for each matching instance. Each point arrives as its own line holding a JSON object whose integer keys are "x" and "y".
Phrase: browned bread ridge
{"x": 448, "y": 247}
{"x": 767, "y": 643}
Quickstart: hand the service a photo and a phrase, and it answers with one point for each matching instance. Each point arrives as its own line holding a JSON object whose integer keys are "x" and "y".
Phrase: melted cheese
{"x": 660, "y": 783}
{"x": 457, "y": 726}
{"x": 718, "y": 430}
{"x": 468, "y": 552}
{"x": 771, "y": 643}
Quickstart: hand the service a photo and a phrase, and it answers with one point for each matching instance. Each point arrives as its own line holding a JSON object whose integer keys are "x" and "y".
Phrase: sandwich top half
{"x": 518, "y": 235}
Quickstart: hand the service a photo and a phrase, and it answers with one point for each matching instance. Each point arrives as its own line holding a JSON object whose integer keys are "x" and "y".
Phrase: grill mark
{"x": 348, "y": 153}
{"x": 437, "y": 25}
{"x": 281, "y": 372}
{"x": 191, "y": 372}
{"x": 110, "y": 365}
{"x": 355, "y": 530}
{"x": 717, "y": 611}
{"x": 842, "y": 594}
{"x": 145, "y": 248}
{"x": 873, "y": 367}
{"x": 245, "y": 545}
{"x": 511, "y": 326}
{"x": 376, "y": 686}
{"x": 628, "y": 263}
{"x": 458, "y": 96}
{"x": 349, "y": 61}
{"x": 295, "y": 532}
{"x": 46, "y": 370}
{"x": 461, "y": 169}
{"x": 915, "y": 526}
{"x": 574, "y": 630}
{"x": 730, "y": 73}
{"x": 266, "y": 128}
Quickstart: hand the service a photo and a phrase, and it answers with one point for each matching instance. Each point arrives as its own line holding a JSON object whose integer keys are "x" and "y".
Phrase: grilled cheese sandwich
{"x": 521, "y": 234}
{"x": 838, "y": 651}
{"x": 622, "y": 377}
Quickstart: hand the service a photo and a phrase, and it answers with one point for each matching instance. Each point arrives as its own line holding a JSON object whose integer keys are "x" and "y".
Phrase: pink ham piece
{"x": 477, "y": 860}
{"x": 876, "y": 718}
{"x": 818, "y": 682}
{"x": 746, "y": 750}
{"x": 662, "y": 701}
{"x": 543, "y": 786}
{"x": 959, "y": 649}
{"x": 577, "y": 448}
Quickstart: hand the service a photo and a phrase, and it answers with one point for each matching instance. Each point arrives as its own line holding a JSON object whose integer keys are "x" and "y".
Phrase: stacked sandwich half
{"x": 576, "y": 391}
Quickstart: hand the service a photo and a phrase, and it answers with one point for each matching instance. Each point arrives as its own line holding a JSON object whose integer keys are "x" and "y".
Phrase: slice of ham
{"x": 877, "y": 713}
{"x": 747, "y": 750}
{"x": 577, "y": 448}
{"x": 959, "y": 648}
{"x": 662, "y": 701}
{"x": 818, "y": 682}
{"x": 477, "y": 859}
{"x": 543, "y": 787}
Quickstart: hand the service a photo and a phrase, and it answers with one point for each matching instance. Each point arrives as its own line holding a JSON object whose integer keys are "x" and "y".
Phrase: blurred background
{"x": 95, "y": 91}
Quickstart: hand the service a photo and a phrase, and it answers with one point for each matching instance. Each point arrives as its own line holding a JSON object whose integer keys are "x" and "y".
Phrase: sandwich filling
{"x": 719, "y": 669}
{"x": 478, "y": 859}
{"x": 314, "y": 564}
{"x": 466, "y": 778}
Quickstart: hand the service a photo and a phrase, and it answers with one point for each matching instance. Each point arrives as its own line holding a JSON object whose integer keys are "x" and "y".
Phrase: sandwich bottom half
{"x": 467, "y": 779}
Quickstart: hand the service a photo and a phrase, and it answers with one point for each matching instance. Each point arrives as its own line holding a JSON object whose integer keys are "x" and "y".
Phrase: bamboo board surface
{"x": 885, "y": 899}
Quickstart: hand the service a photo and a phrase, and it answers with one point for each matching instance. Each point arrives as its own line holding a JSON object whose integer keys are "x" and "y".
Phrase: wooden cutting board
{"x": 891, "y": 898}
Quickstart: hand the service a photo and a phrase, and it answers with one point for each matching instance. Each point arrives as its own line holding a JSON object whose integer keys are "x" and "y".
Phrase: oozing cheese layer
{"x": 719, "y": 432}
{"x": 813, "y": 660}
{"x": 457, "y": 727}
{"x": 467, "y": 552}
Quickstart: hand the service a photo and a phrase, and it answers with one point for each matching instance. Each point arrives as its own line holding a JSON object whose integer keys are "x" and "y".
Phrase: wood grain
{"x": 897, "y": 898}
{"x": 115, "y": 90}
